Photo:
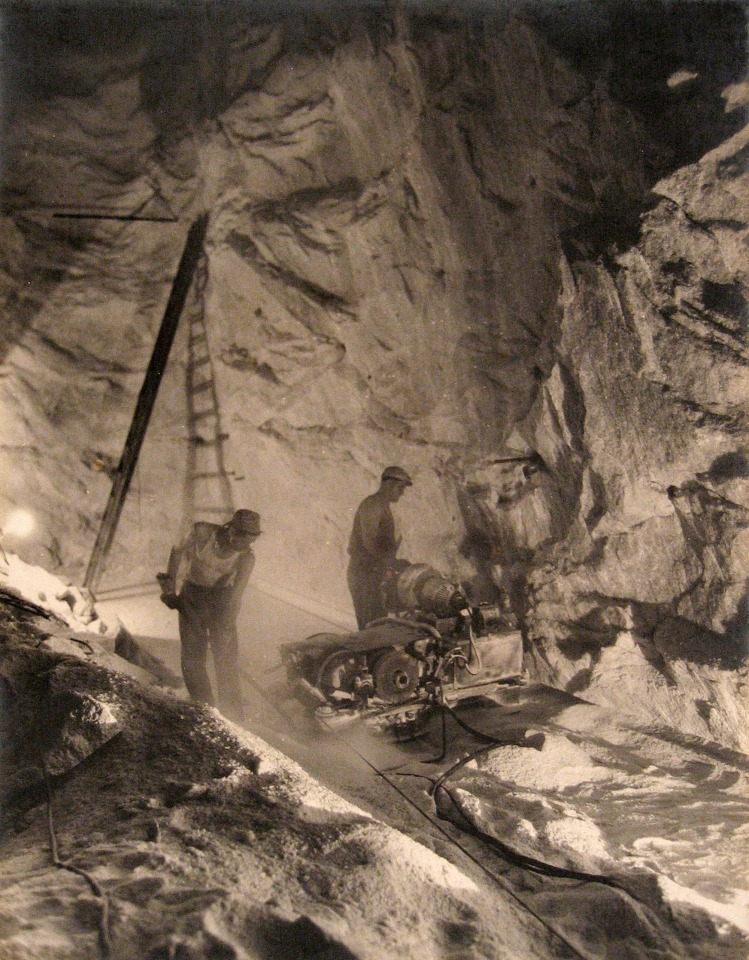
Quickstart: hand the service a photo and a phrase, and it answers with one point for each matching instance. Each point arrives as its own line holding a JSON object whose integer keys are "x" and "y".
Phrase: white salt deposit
{"x": 559, "y": 765}
{"x": 736, "y": 912}
{"x": 656, "y": 844}
{"x": 410, "y": 856}
{"x": 527, "y": 828}
{"x": 425, "y": 865}
{"x": 72, "y": 605}
{"x": 580, "y": 835}
{"x": 307, "y": 791}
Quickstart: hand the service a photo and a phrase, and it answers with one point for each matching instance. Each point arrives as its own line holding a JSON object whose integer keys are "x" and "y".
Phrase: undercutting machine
{"x": 434, "y": 647}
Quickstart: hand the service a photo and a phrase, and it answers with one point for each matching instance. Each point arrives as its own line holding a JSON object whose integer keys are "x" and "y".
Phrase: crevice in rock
{"x": 248, "y": 251}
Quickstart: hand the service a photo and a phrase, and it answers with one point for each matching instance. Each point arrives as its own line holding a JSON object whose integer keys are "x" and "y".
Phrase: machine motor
{"x": 419, "y": 587}
{"x": 433, "y": 646}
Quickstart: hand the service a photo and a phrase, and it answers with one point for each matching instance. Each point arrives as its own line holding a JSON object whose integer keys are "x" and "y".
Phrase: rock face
{"x": 643, "y": 426}
{"x": 120, "y": 841}
{"x": 409, "y": 260}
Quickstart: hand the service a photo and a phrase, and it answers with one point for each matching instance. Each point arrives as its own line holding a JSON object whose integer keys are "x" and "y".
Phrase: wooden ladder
{"x": 208, "y": 494}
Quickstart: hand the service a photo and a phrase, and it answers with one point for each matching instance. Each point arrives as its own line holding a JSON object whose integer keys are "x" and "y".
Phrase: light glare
{"x": 20, "y": 524}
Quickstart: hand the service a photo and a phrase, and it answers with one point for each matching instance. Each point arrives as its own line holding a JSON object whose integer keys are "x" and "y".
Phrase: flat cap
{"x": 246, "y": 521}
{"x": 396, "y": 473}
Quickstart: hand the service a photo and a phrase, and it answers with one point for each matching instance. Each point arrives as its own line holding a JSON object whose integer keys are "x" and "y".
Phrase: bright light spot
{"x": 19, "y": 524}
{"x": 680, "y": 77}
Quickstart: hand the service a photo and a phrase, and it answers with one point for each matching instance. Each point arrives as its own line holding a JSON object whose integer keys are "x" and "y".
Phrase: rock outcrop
{"x": 638, "y": 595}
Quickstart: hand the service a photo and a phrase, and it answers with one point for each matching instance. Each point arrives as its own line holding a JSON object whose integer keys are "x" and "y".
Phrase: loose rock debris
{"x": 182, "y": 835}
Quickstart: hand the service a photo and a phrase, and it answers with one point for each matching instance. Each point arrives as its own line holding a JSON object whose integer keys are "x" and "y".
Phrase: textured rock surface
{"x": 208, "y": 842}
{"x": 654, "y": 456}
{"x": 409, "y": 259}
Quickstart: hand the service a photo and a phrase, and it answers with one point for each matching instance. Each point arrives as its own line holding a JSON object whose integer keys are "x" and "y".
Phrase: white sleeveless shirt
{"x": 207, "y": 567}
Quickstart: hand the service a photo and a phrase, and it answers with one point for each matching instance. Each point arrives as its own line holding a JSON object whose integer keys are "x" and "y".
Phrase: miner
{"x": 373, "y": 545}
{"x": 205, "y": 580}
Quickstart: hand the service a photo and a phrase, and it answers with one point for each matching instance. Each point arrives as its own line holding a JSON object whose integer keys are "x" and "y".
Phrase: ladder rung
{"x": 202, "y": 414}
{"x": 207, "y": 474}
{"x": 199, "y": 387}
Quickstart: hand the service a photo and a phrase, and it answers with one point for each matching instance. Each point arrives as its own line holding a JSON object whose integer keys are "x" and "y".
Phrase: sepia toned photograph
{"x": 374, "y": 480}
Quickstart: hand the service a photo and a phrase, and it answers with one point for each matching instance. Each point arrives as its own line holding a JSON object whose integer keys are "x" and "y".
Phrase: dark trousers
{"x": 204, "y": 621}
{"x": 364, "y": 583}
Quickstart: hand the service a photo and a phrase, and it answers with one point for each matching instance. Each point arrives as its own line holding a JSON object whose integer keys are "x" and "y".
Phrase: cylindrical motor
{"x": 421, "y": 587}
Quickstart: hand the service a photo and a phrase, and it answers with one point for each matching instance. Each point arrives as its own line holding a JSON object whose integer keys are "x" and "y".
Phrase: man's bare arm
{"x": 169, "y": 583}
{"x": 244, "y": 569}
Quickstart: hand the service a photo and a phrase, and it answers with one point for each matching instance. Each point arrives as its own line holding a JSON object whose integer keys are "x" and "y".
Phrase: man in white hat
{"x": 205, "y": 581}
{"x": 374, "y": 545}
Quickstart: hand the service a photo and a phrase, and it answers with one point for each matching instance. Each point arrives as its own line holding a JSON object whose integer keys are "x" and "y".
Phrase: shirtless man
{"x": 205, "y": 581}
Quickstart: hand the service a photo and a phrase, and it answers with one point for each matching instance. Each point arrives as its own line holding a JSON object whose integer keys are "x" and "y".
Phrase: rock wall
{"x": 638, "y": 595}
{"x": 408, "y": 260}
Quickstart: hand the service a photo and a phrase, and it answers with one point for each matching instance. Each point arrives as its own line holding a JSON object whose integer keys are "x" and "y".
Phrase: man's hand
{"x": 170, "y": 600}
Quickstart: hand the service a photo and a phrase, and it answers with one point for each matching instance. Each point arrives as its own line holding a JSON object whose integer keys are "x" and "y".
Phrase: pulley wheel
{"x": 396, "y": 676}
{"x": 337, "y": 672}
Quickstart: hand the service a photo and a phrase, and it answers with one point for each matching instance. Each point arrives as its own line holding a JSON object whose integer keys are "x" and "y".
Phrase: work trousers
{"x": 205, "y": 620}
{"x": 365, "y": 586}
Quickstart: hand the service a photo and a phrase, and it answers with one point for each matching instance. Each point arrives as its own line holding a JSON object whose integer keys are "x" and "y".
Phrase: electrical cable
{"x": 538, "y": 866}
{"x": 82, "y": 643}
{"x": 523, "y": 861}
{"x": 105, "y": 943}
{"x": 462, "y": 763}
{"x": 475, "y": 651}
{"x": 437, "y": 826}
{"x": 531, "y": 864}
{"x": 455, "y": 843}
{"x": 443, "y": 738}
{"x": 27, "y": 606}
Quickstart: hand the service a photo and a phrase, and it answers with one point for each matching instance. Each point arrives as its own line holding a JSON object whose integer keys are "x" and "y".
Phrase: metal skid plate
{"x": 402, "y": 721}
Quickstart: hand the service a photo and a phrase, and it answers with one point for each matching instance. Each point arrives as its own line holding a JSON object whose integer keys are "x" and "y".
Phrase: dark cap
{"x": 246, "y": 521}
{"x": 396, "y": 473}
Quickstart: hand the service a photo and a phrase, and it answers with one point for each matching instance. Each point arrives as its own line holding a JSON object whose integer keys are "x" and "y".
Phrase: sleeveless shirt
{"x": 207, "y": 567}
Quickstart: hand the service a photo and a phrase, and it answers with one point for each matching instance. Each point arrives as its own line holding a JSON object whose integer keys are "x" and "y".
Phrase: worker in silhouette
{"x": 205, "y": 581}
{"x": 373, "y": 545}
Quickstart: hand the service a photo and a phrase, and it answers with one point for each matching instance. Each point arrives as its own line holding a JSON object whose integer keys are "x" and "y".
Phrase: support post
{"x": 146, "y": 399}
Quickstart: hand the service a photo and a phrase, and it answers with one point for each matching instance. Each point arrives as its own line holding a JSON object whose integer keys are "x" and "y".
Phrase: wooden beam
{"x": 146, "y": 399}
{"x": 130, "y": 217}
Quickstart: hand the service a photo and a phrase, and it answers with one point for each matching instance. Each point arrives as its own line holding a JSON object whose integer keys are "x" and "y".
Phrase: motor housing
{"x": 433, "y": 647}
{"x": 419, "y": 587}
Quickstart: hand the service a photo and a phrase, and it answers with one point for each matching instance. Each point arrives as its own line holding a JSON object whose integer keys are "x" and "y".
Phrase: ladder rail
{"x": 207, "y": 486}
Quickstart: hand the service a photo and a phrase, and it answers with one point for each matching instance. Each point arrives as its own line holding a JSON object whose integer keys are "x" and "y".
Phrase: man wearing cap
{"x": 373, "y": 545}
{"x": 205, "y": 581}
